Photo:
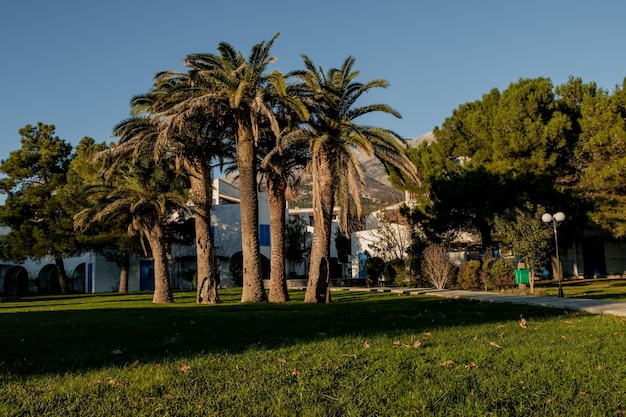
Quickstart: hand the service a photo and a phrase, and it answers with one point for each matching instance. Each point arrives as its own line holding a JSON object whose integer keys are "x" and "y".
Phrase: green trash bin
{"x": 521, "y": 276}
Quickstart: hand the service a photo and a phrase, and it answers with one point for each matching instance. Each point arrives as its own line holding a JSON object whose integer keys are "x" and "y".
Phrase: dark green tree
{"x": 496, "y": 153}
{"x": 35, "y": 210}
{"x": 523, "y": 231}
{"x": 602, "y": 156}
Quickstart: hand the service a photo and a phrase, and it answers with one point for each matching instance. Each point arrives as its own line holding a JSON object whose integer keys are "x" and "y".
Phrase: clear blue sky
{"x": 76, "y": 63}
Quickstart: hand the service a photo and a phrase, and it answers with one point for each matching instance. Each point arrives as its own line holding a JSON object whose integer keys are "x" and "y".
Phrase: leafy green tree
{"x": 333, "y": 137}
{"x": 35, "y": 209}
{"x": 602, "y": 156}
{"x": 495, "y": 153}
{"x": 529, "y": 238}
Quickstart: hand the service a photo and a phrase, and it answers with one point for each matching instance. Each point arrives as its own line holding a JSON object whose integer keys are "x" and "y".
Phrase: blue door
{"x": 89, "y": 278}
{"x": 146, "y": 275}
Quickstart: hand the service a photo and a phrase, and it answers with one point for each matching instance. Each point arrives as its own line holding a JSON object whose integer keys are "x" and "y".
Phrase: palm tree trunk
{"x": 277, "y": 186}
{"x": 253, "y": 290}
{"x": 124, "y": 267}
{"x": 61, "y": 274}
{"x": 162, "y": 288}
{"x": 205, "y": 250}
{"x": 317, "y": 290}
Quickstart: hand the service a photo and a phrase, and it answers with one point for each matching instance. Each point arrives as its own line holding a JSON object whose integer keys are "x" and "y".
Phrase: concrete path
{"x": 612, "y": 307}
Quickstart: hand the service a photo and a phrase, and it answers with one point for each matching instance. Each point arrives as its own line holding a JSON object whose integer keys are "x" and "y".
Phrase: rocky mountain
{"x": 377, "y": 191}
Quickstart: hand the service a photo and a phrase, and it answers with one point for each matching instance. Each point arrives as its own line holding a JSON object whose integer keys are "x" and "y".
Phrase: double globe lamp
{"x": 555, "y": 219}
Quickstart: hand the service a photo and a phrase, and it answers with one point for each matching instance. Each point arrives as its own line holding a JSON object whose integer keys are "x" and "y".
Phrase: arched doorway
{"x": 16, "y": 281}
{"x": 48, "y": 281}
{"x": 77, "y": 279}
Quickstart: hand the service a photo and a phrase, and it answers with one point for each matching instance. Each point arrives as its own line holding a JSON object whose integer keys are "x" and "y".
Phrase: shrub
{"x": 396, "y": 272}
{"x": 436, "y": 266}
{"x": 501, "y": 274}
{"x": 374, "y": 268}
{"x": 468, "y": 277}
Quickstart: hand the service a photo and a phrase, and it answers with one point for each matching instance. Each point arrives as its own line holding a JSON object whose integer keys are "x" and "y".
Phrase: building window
{"x": 264, "y": 234}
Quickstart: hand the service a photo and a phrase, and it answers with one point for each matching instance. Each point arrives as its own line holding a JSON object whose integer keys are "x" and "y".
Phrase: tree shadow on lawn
{"x": 49, "y": 342}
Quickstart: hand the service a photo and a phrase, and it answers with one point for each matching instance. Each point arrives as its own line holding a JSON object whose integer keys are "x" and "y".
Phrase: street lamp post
{"x": 556, "y": 219}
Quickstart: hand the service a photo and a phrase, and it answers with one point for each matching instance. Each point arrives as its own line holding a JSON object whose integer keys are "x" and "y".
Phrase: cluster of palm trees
{"x": 273, "y": 128}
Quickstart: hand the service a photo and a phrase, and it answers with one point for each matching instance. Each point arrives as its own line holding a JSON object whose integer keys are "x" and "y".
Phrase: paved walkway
{"x": 615, "y": 308}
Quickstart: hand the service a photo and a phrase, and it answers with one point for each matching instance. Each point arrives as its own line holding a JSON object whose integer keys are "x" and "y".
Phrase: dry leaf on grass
{"x": 295, "y": 372}
{"x": 494, "y": 344}
{"x": 417, "y": 344}
{"x": 117, "y": 384}
{"x": 134, "y": 363}
{"x": 184, "y": 368}
{"x": 471, "y": 366}
{"x": 366, "y": 345}
{"x": 448, "y": 363}
{"x": 523, "y": 324}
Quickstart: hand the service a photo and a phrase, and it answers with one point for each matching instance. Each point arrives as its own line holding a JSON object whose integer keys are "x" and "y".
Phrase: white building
{"x": 93, "y": 272}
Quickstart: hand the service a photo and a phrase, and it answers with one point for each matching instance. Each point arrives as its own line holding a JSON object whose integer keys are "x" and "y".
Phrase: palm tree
{"x": 333, "y": 139}
{"x": 283, "y": 161}
{"x": 192, "y": 135}
{"x": 244, "y": 90}
{"x": 148, "y": 192}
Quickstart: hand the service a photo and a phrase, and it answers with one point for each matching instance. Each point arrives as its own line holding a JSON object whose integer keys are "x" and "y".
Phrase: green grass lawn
{"x": 600, "y": 288}
{"x": 366, "y": 354}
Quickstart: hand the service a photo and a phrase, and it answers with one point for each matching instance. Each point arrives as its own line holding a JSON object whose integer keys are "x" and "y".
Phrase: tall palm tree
{"x": 244, "y": 89}
{"x": 194, "y": 136}
{"x": 334, "y": 136}
{"x": 284, "y": 158}
{"x": 148, "y": 192}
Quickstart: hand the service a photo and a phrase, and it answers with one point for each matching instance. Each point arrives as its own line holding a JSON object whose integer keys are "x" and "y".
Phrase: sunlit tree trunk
{"x": 277, "y": 186}
{"x": 201, "y": 189}
{"x": 253, "y": 290}
{"x": 124, "y": 267}
{"x": 317, "y": 290}
{"x": 162, "y": 288}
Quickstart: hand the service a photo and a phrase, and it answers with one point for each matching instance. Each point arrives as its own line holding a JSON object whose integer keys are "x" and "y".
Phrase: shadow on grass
{"x": 48, "y": 342}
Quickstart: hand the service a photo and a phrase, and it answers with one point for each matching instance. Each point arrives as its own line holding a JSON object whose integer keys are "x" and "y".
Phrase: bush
{"x": 374, "y": 268}
{"x": 436, "y": 266}
{"x": 501, "y": 274}
{"x": 396, "y": 272}
{"x": 468, "y": 277}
